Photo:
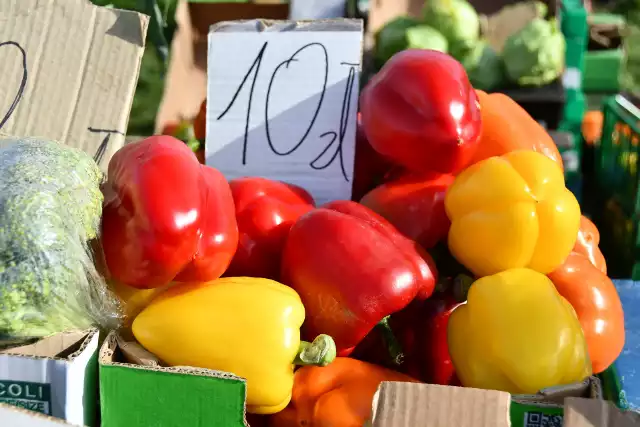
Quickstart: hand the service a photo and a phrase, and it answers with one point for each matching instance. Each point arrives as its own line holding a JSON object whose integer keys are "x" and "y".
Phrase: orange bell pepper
{"x": 338, "y": 395}
{"x": 597, "y": 304}
{"x": 587, "y": 244}
{"x": 507, "y": 127}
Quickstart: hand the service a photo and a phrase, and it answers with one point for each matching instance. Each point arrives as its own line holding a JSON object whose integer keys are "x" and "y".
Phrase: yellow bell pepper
{"x": 512, "y": 211}
{"x": 246, "y": 326}
{"x": 517, "y": 334}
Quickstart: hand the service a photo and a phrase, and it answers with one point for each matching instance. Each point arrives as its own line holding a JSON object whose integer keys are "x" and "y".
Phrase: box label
{"x": 32, "y": 396}
{"x": 540, "y": 419}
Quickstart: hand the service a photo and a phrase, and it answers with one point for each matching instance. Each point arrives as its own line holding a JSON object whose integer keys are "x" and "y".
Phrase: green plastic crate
{"x": 617, "y": 206}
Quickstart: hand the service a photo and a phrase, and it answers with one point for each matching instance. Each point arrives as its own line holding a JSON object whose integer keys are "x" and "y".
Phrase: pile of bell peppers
{"x": 462, "y": 259}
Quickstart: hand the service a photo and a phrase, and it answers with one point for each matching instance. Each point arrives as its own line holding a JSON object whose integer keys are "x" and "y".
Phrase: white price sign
{"x": 282, "y": 101}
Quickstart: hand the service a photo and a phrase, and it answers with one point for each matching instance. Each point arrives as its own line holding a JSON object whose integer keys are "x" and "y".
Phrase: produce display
{"x": 462, "y": 259}
{"x": 532, "y": 56}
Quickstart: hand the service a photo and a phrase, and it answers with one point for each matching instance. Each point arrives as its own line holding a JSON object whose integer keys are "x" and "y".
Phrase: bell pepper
{"x": 517, "y": 334}
{"x": 421, "y": 112}
{"x": 370, "y": 168}
{"x": 414, "y": 204}
{"x": 265, "y": 211}
{"x": 246, "y": 326}
{"x": 597, "y": 304}
{"x": 166, "y": 217}
{"x": 339, "y": 395}
{"x": 587, "y": 244}
{"x": 507, "y": 127}
{"x": 352, "y": 269}
{"x": 422, "y": 331}
{"x": 512, "y": 211}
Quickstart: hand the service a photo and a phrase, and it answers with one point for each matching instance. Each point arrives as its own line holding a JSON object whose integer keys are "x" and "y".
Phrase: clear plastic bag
{"x": 50, "y": 210}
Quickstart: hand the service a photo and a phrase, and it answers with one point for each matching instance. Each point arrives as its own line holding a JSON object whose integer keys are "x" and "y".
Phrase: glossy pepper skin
{"x": 422, "y": 330}
{"x": 166, "y": 217}
{"x": 517, "y": 334}
{"x": 507, "y": 127}
{"x": 265, "y": 211}
{"x": 339, "y": 395}
{"x": 421, "y": 112}
{"x": 352, "y": 268}
{"x": 370, "y": 168}
{"x": 597, "y": 304}
{"x": 587, "y": 244}
{"x": 245, "y": 326}
{"x": 414, "y": 204}
{"x": 512, "y": 211}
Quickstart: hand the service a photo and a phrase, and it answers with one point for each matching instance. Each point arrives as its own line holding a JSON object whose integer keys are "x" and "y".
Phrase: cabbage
{"x": 458, "y": 22}
{"x": 406, "y": 33}
{"x": 534, "y": 56}
{"x": 484, "y": 67}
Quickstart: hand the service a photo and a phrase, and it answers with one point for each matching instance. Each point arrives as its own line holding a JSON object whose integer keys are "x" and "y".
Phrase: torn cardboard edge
{"x": 428, "y": 405}
{"x": 69, "y": 72}
{"x": 136, "y": 357}
{"x": 64, "y": 346}
{"x": 19, "y": 417}
{"x": 281, "y": 26}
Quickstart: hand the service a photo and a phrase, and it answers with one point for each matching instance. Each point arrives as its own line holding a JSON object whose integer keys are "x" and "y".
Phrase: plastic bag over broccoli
{"x": 406, "y": 33}
{"x": 50, "y": 208}
{"x": 534, "y": 56}
{"x": 458, "y": 22}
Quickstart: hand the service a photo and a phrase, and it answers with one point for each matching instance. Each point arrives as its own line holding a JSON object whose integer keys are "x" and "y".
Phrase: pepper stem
{"x": 393, "y": 346}
{"x": 320, "y": 352}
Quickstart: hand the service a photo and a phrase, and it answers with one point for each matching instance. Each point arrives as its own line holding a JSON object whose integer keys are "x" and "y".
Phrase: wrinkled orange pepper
{"x": 338, "y": 395}
{"x": 507, "y": 127}
{"x": 597, "y": 304}
{"x": 587, "y": 244}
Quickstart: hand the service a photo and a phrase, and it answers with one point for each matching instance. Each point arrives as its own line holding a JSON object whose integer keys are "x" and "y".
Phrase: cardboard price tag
{"x": 69, "y": 72}
{"x": 282, "y": 102}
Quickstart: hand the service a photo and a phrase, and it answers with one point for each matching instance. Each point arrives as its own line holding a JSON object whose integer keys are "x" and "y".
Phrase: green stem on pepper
{"x": 390, "y": 340}
{"x": 320, "y": 352}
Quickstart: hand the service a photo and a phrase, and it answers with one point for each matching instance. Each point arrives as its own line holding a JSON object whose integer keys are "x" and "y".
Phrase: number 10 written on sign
{"x": 324, "y": 140}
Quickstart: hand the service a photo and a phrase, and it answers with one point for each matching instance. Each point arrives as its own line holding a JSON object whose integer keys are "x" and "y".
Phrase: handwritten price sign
{"x": 73, "y": 83}
{"x": 282, "y": 102}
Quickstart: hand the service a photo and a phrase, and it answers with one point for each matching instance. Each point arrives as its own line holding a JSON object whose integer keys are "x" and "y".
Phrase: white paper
{"x": 301, "y": 75}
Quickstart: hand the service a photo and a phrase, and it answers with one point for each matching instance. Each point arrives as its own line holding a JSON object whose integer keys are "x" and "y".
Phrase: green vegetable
{"x": 50, "y": 208}
{"x": 534, "y": 56}
{"x": 484, "y": 67}
{"x": 458, "y": 22}
{"x": 406, "y": 33}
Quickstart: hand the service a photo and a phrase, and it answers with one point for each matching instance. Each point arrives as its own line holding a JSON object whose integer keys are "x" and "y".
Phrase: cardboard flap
{"x": 580, "y": 412}
{"x": 69, "y": 72}
{"x": 64, "y": 345}
{"x": 12, "y": 416}
{"x": 428, "y": 405}
{"x": 135, "y": 353}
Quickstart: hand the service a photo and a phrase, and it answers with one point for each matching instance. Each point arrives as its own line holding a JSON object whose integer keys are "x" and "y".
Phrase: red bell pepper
{"x": 265, "y": 211}
{"x": 422, "y": 331}
{"x": 166, "y": 217}
{"x": 370, "y": 168}
{"x": 414, "y": 204}
{"x": 421, "y": 112}
{"x": 352, "y": 269}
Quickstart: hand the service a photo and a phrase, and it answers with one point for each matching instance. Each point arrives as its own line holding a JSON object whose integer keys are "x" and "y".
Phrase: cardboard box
{"x": 186, "y": 80}
{"x": 69, "y": 72}
{"x": 426, "y": 405}
{"x": 55, "y": 376}
{"x": 18, "y": 417}
{"x": 135, "y": 389}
